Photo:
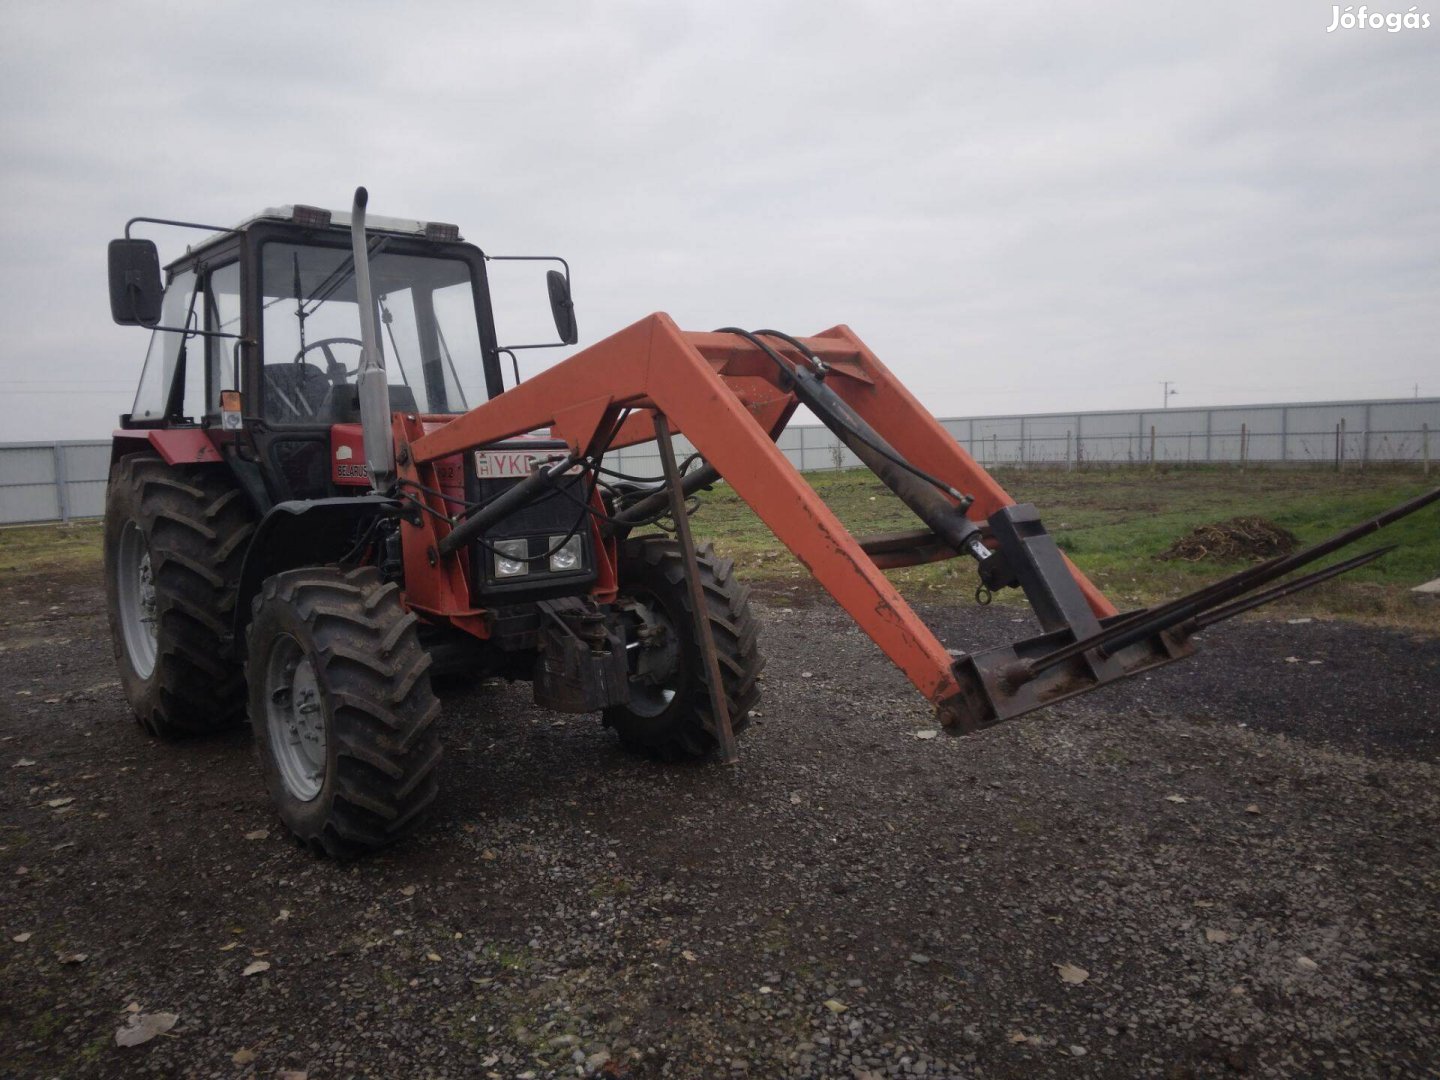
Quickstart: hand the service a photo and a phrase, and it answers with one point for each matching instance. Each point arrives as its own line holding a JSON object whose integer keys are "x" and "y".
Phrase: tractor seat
{"x": 295, "y": 393}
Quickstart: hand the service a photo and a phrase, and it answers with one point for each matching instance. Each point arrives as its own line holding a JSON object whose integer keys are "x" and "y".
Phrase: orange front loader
{"x": 731, "y": 393}
{"x": 302, "y": 542}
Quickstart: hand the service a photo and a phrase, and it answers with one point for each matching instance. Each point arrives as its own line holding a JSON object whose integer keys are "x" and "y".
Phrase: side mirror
{"x": 561, "y": 306}
{"x": 135, "y": 289}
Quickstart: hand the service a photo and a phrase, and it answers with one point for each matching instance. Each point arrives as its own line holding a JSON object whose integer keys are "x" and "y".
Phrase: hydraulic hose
{"x": 858, "y": 427}
{"x": 510, "y": 500}
{"x": 944, "y": 518}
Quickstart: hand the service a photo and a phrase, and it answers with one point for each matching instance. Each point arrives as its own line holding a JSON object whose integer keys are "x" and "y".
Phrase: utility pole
{"x": 1167, "y": 384}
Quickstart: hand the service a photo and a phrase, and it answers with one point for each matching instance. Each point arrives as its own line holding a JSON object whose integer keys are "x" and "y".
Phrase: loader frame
{"x": 723, "y": 395}
{"x": 722, "y": 391}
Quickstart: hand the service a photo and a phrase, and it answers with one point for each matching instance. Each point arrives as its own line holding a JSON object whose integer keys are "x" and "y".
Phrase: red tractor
{"x": 326, "y": 491}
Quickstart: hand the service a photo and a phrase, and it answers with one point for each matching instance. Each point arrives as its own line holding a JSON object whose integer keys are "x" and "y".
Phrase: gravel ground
{"x": 1227, "y": 868}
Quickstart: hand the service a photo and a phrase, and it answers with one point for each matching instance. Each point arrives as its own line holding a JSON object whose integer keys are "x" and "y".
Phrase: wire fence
{"x": 1340, "y": 435}
{"x": 62, "y": 481}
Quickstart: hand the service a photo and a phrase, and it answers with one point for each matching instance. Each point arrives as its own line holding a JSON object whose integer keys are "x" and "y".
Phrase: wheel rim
{"x": 139, "y": 625}
{"x": 295, "y": 719}
{"x": 652, "y": 648}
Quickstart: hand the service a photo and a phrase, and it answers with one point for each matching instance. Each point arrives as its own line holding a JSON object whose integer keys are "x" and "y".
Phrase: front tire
{"x": 342, "y": 709}
{"x": 669, "y": 715}
{"x": 175, "y": 539}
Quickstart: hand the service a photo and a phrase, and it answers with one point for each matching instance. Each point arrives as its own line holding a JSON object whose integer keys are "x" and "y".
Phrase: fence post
{"x": 1244, "y": 444}
{"x": 1069, "y": 461}
{"x": 1365, "y": 440}
{"x": 1425, "y": 447}
{"x": 1340, "y": 445}
{"x": 1209, "y": 423}
{"x": 62, "y": 495}
{"x": 1152, "y": 446}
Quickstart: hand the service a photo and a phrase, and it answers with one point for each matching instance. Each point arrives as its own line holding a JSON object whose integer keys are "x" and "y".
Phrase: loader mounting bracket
{"x": 997, "y": 684}
{"x": 580, "y": 666}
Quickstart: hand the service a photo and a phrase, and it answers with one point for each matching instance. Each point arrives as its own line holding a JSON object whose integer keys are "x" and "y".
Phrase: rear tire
{"x": 668, "y": 715}
{"x": 175, "y": 539}
{"x": 342, "y": 709}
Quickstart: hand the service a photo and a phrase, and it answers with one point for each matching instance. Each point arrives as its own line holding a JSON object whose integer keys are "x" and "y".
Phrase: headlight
{"x": 510, "y": 556}
{"x": 567, "y": 556}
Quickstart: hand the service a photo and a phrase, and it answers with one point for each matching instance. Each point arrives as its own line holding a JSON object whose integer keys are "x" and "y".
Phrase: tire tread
{"x": 198, "y": 526}
{"x": 736, "y": 632}
{"x": 373, "y": 673}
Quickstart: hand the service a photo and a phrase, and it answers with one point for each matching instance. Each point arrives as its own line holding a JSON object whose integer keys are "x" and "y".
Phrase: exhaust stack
{"x": 374, "y": 387}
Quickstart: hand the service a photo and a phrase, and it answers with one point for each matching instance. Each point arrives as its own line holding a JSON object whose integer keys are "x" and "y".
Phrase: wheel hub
{"x": 139, "y": 621}
{"x": 654, "y": 653}
{"x": 295, "y": 716}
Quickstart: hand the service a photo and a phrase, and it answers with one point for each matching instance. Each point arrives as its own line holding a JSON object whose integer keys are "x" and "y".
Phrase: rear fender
{"x": 176, "y": 446}
{"x": 301, "y": 533}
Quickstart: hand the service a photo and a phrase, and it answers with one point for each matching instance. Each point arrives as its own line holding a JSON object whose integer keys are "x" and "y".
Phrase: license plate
{"x": 504, "y": 464}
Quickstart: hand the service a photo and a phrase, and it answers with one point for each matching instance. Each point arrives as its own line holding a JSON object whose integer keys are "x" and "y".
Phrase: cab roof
{"x": 310, "y": 215}
{"x": 315, "y": 217}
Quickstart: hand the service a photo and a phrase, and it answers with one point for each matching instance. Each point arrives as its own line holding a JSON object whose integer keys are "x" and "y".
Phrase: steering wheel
{"x": 335, "y": 371}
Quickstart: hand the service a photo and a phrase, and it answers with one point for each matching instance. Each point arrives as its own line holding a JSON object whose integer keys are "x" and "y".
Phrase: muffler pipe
{"x": 374, "y": 389}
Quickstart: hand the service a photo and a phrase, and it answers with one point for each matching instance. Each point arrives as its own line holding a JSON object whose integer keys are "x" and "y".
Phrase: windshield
{"x": 311, "y": 325}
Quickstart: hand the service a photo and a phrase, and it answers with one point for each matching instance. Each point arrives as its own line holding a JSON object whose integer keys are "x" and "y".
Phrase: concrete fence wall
{"x": 63, "y": 480}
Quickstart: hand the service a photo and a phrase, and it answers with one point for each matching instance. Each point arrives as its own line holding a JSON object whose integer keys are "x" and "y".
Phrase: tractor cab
{"x": 258, "y": 335}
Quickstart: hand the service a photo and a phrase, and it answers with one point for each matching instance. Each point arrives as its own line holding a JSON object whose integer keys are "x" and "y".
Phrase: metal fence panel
{"x": 63, "y": 480}
{"x": 29, "y": 483}
{"x": 1397, "y": 430}
{"x": 28, "y": 488}
{"x": 1048, "y": 439}
{"x": 85, "y": 466}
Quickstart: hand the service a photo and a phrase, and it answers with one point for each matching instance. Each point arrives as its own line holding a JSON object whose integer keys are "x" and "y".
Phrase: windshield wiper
{"x": 450, "y": 362}
{"x": 387, "y": 319}
{"x": 300, "y": 314}
{"x": 341, "y": 274}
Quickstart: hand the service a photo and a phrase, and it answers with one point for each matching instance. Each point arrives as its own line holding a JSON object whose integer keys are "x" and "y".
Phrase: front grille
{"x": 535, "y": 525}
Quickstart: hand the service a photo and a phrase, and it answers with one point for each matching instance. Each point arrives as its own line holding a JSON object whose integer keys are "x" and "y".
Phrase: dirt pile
{"x": 1233, "y": 540}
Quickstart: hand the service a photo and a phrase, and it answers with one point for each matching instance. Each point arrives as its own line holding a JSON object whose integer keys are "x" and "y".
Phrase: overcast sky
{"x": 1022, "y": 208}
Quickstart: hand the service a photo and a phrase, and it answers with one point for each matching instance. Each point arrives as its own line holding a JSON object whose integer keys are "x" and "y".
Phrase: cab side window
{"x": 162, "y": 362}
{"x": 222, "y": 302}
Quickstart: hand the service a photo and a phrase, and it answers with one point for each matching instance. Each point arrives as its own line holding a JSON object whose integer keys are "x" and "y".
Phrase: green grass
{"x": 1114, "y": 522}
{"x": 24, "y": 548}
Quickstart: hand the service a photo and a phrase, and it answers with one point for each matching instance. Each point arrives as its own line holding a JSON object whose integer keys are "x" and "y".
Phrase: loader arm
{"x": 730, "y": 393}
{"x": 722, "y": 395}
